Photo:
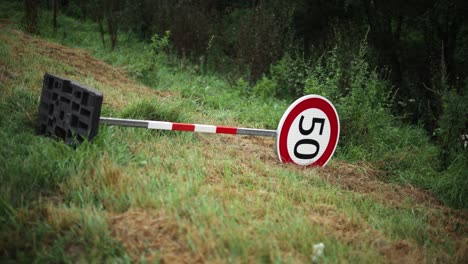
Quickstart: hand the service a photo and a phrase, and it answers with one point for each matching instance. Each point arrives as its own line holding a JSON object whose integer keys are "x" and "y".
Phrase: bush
{"x": 452, "y": 126}
{"x": 452, "y": 138}
{"x": 265, "y": 88}
{"x": 160, "y": 44}
{"x": 356, "y": 91}
{"x": 290, "y": 74}
{"x": 326, "y": 77}
{"x": 154, "y": 55}
{"x": 453, "y": 183}
{"x": 242, "y": 86}
{"x": 369, "y": 131}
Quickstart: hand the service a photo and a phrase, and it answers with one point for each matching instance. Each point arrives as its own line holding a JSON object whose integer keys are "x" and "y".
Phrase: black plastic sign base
{"x": 68, "y": 110}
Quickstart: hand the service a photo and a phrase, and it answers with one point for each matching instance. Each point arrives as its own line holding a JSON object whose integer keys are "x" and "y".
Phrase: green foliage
{"x": 453, "y": 183}
{"x": 7, "y": 213}
{"x": 242, "y": 86}
{"x": 357, "y": 92}
{"x": 452, "y": 128}
{"x": 265, "y": 88}
{"x": 160, "y": 44}
{"x": 452, "y": 134}
{"x": 370, "y": 132}
{"x": 155, "y": 54}
{"x": 326, "y": 77}
{"x": 28, "y": 165}
{"x": 290, "y": 75}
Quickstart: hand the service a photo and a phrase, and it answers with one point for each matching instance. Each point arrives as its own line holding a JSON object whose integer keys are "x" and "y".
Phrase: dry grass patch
{"x": 151, "y": 235}
{"x": 358, "y": 233}
{"x": 363, "y": 178}
{"x": 113, "y": 82}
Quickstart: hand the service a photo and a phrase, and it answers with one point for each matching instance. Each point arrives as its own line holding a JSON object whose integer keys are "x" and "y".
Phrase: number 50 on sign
{"x": 308, "y": 132}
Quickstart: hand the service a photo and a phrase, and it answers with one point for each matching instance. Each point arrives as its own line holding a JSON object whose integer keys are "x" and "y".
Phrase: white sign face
{"x": 308, "y": 136}
{"x": 308, "y": 132}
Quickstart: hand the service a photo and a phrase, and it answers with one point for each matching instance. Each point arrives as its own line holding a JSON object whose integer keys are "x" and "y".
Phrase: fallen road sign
{"x": 307, "y": 134}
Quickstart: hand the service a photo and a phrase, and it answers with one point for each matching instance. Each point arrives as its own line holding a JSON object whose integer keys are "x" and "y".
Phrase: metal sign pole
{"x": 163, "y": 125}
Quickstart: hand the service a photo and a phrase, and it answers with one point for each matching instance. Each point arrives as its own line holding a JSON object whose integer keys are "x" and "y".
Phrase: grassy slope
{"x": 135, "y": 194}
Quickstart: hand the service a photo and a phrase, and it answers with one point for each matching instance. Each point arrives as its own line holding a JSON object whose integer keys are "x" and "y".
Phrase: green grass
{"x": 222, "y": 198}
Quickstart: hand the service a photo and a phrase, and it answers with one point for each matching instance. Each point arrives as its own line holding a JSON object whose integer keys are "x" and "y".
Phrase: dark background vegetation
{"x": 399, "y": 62}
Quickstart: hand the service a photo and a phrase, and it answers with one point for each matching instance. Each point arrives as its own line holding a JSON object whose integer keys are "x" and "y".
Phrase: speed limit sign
{"x": 308, "y": 132}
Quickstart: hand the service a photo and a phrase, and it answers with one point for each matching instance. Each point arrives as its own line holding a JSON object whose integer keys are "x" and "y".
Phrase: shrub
{"x": 242, "y": 86}
{"x": 452, "y": 133}
{"x": 452, "y": 126}
{"x": 356, "y": 91}
{"x": 160, "y": 44}
{"x": 265, "y": 88}
{"x": 154, "y": 55}
{"x": 453, "y": 183}
{"x": 369, "y": 131}
{"x": 326, "y": 76}
{"x": 290, "y": 74}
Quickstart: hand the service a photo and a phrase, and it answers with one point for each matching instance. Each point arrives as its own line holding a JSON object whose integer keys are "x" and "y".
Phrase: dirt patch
{"x": 363, "y": 178}
{"x": 360, "y": 178}
{"x": 114, "y": 80}
{"x": 259, "y": 147}
{"x": 442, "y": 222}
{"x": 446, "y": 224}
{"x": 246, "y": 147}
{"x": 358, "y": 232}
{"x": 83, "y": 62}
{"x": 401, "y": 252}
{"x": 152, "y": 235}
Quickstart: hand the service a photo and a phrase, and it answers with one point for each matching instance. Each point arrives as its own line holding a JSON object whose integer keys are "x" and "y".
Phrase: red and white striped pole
{"x": 163, "y": 125}
{"x": 307, "y": 133}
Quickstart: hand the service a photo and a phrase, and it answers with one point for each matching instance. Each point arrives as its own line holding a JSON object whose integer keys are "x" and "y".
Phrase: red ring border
{"x": 300, "y": 105}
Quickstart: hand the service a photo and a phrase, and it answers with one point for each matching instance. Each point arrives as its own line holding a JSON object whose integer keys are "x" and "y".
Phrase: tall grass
{"x": 211, "y": 197}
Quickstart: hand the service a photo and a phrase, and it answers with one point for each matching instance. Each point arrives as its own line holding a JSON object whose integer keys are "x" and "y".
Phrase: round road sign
{"x": 308, "y": 132}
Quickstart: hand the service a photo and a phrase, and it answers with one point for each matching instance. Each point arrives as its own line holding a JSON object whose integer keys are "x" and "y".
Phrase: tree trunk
{"x": 54, "y": 20}
{"x": 112, "y": 31}
{"x": 101, "y": 31}
{"x": 31, "y": 16}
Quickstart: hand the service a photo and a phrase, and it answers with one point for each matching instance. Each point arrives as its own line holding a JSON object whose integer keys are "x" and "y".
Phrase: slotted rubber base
{"x": 68, "y": 110}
